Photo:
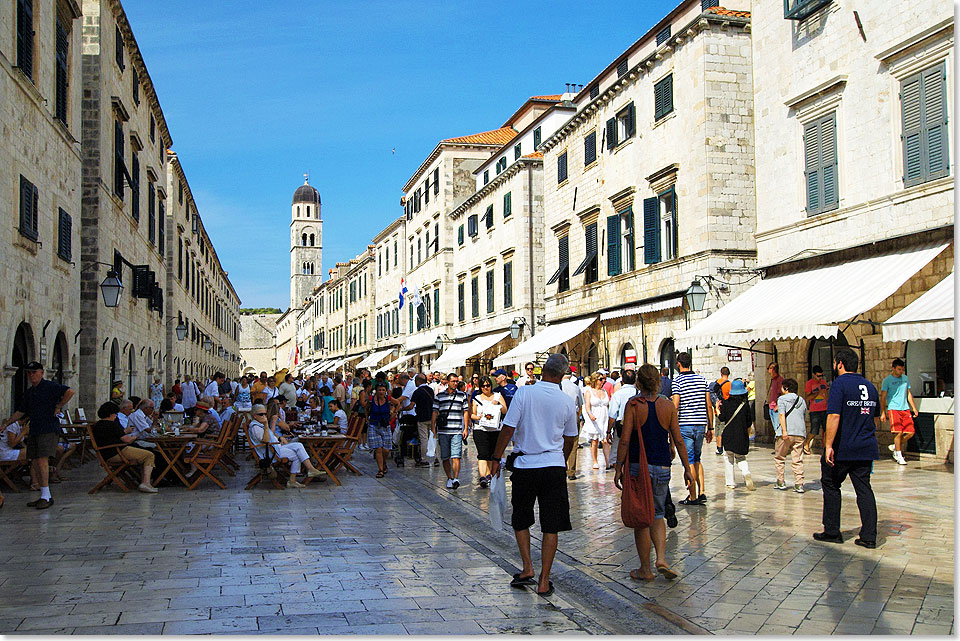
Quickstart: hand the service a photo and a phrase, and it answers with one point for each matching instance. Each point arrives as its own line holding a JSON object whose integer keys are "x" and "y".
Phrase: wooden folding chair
{"x": 227, "y": 461}
{"x": 117, "y": 473}
{"x": 206, "y": 455}
{"x": 344, "y": 452}
{"x": 12, "y": 471}
{"x": 280, "y": 466}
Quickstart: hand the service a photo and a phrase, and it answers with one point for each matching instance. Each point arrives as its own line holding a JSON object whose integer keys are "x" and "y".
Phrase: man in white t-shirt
{"x": 542, "y": 422}
{"x": 572, "y": 389}
{"x": 213, "y": 387}
{"x": 189, "y": 391}
{"x": 408, "y": 413}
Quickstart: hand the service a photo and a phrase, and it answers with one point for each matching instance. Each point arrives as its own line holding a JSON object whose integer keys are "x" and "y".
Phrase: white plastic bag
{"x": 431, "y": 446}
{"x": 498, "y": 499}
{"x": 396, "y": 435}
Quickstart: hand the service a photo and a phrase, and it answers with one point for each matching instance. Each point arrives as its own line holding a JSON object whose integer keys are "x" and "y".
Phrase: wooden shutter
{"x": 25, "y": 37}
{"x": 135, "y": 188}
{"x": 630, "y": 121}
{"x": 26, "y": 208}
{"x": 507, "y": 204}
{"x": 475, "y": 296}
{"x": 161, "y": 225}
{"x": 65, "y": 236}
{"x": 436, "y": 181}
{"x": 651, "y": 230}
{"x": 562, "y": 167}
{"x": 593, "y": 261}
{"x": 828, "y": 161}
{"x": 119, "y": 48}
{"x": 516, "y": 152}
{"x": 508, "y": 285}
{"x": 461, "y": 305}
{"x": 630, "y": 241}
{"x": 490, "y": 303}
{"x": 590, "y": 148}
{"x": 488, "y": 217}
{"x": 595, "y": 89}
{"x": 460, "y": 235}
{"x": 118, "y": 170}
{"x": 436, "y": 307}
{"x": 622, "y": 68}
{"x": 612, "y": 133}
{"x": 35, "y": 212}
{"x": 811, "y": 151}
{"x": 63, "y": 45}
{"x": 936, "y": 136}
{"x": 663, "y": 97}
{"x": 613, "y": 245}
{"x": 151, "y": 214}
{"x": 664, "y": 35}
{"x": 537, "y": 133}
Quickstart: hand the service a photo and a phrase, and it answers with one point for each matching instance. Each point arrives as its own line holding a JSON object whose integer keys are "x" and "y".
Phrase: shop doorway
{"x": 628, "y": 352}
{"x": 668, "y": 356}
{"x": 822, "y": 353}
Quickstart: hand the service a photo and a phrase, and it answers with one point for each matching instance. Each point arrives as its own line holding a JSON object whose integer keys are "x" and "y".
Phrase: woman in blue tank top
{"x": 652, "y": 418}
{"x": 379, "y": 435}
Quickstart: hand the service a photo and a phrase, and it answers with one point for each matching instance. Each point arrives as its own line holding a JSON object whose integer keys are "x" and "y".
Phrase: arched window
{"x": 668, "y": 356}
{"x": 131, "y": 372}
{"x": 625, "y": 352}
{"x": 22, "y": 354}
{"x": 298, "y": 210}
{"x": 59, "y": 362}
{"x": 308, "y": 211}
{"x": 311, "y": 240}
{"x": 303, "y": 240}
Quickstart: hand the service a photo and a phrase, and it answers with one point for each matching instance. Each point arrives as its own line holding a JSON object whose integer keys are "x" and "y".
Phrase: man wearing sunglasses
{"x": 529, "y": 375}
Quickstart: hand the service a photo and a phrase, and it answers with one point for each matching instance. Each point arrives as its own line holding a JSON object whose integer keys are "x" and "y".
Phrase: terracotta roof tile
{"x": 555, "y": 96}
{"x": 720, "y": 11}
{"x": 496, "y": 137}
{"x": 536, "y": 154}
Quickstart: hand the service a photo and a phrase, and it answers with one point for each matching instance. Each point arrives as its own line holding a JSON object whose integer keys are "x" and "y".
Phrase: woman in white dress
{"x": 156, "y": 392}
{"x": 595, "y": 403}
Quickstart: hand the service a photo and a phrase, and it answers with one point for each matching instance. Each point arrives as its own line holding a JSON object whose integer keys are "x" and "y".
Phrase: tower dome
{"x": 306, "y": 193}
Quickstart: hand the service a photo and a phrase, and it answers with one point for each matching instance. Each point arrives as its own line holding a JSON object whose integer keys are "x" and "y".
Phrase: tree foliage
{"x": 247, "y": 311}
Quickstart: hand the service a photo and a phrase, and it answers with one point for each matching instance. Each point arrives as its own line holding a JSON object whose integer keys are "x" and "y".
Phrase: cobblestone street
{"x": 403, "y": 555}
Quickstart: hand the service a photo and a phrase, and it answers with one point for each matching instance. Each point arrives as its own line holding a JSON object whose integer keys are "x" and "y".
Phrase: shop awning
{"x": 392, "y": 365}
{"x": 375, "y": 358}
{"x": 544, "y": 340}
{"x": 457, "y": 355}
{"x": 928, "y": 318}
{"x": 808, "y": 304}
{"x": 311, "y": 368}
{"x": 643, "y": 308}
{"x": 335, "y": 364}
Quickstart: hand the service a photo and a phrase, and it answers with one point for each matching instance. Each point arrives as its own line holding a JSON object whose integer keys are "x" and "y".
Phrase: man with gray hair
{"x": 124, "y": 412}
{"x": 542, "y": 422}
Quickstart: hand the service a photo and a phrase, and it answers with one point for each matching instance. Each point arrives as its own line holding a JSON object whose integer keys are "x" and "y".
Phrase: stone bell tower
{"x": 306, "y": 242}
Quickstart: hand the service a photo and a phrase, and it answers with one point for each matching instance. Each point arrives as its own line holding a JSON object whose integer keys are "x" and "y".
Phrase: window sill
{"x": 563, "y": 182}
{"x": 626, "y": 143}
{"x": 591, "y": 165}
{"x": 664, "y": 119}
{"x": 27, "y": 243}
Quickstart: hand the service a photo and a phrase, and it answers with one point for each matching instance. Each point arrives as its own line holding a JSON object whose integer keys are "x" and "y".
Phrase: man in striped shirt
{"x": 691, "y": 396}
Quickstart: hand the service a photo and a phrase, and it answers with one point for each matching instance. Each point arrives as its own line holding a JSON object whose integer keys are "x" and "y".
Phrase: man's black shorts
{"x": 548, "y": 487}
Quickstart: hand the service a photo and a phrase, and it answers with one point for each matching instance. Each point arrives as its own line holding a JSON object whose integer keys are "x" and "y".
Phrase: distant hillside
{"x": 247, "y": 311}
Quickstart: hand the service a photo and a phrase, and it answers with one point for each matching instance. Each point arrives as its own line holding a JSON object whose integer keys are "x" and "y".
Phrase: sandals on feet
{"x": 667, "y": 573}
{"x": 519, "y": 582}
{"x": 636, "y": 576}
{"x": 548, "y": 592}
{"x": 380, "y": 474}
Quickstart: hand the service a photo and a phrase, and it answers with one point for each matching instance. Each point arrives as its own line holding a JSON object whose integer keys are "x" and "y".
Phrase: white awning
{"x": 643, "y": 308}
{"x": 457, "y": 355}
{"x": 335, "y": 364}
{"x": 392, "y": 365}
{"x": 928, "y": 318}
{"x": 312, "y": 368}
{"x": 808, "y": 304}
{"x": 375, "y": 358}
{"x": 544, "y": 340}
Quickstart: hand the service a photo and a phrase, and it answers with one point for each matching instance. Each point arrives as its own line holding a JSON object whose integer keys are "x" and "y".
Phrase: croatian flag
{"x": 403, "y": 291}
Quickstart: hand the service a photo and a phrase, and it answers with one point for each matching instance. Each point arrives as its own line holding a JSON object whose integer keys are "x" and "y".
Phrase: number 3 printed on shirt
{"x": 864, "y": 395}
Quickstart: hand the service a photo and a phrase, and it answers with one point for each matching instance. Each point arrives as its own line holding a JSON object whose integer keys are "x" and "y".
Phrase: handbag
{"x": 636, "y": 503}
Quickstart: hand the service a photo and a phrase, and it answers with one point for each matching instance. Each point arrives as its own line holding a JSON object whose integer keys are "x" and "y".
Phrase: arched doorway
{"x": 593, "y": 359}
{"x": 628, "y": 351}
{"x": 59, "y": 362}
{"x": 668, "y": 356}
{"x": 22, "y": 354}
{"x": 114, "y": 362}
{"x": 132, "y": 372}
{"x": 822, "y": 352}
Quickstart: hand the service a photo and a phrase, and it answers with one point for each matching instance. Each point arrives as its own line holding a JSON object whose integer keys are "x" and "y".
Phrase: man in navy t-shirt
{"x": 850, "y": 444}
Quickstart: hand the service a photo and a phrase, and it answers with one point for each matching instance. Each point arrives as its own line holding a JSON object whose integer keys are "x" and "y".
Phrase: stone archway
{"x": 24, "y": 350}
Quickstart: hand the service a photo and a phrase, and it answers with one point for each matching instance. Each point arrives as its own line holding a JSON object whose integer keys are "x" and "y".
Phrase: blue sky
{"x": 257, "y": 93}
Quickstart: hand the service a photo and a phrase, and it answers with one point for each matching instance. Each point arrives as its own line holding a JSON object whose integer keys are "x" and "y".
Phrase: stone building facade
{"x": 257, "y": 334}
{"x": 40, "y": 166}
{"x": 631, "y": 216}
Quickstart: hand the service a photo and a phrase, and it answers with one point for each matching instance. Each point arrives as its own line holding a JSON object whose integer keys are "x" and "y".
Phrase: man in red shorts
{"x": 897, "y": 406}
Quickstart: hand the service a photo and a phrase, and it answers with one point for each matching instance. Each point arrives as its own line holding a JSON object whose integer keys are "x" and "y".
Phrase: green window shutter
{"x": 663, "y": 97}
{"x": 611, "y": 133}
{"x": 589, "y": 148}
{"x": 488, "y": 217}
{"x": 828, "y": 161}
{"x": 912, "y": 135}
{"x": 537, "y": 135}
{"x": 62, "y": 81}
{"x": 135, "y": 188}
{"x": 613, "y": 245}
{"x": 516, "y": 152}
{"x": 25, "y": 37}
{"x": 475, "y": 296}
{"x": 410, "y": 327}
{"x": 651, "y": 230}
{"x": 631, "y": 245}
{"x": 507, "y": 204}
{"x": 436, "y": 307}
{"x": 460, "y": 235}
{"x": 562, "y": 167}
{"x": 592, "y": 269}
{"x": 631, "y": 121}
{"x": 490, "y": 302}
{"x": 507, "y": 285}
{"x": 936, "y": 136}
{"x": 461, "y": 309}
{"x": 811, "y": 151}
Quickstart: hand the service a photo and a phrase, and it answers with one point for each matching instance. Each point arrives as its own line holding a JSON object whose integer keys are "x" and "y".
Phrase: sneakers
{"x": 670, "y": 513}
{"x": 293, "y": 483}
{"x": 892, "y": 447}
{"x": 749, "y": 481}
{"x": 421, "y": 464}
{"x": 484, "y": 481}
{"x": 780, "y": 485}
{"x": 898, "y": 457}
{"x": 148, "y": 489}
{"x": 449, "y": 484}
{"x": 798, "y": 488}
{"x": 456, "y": 483}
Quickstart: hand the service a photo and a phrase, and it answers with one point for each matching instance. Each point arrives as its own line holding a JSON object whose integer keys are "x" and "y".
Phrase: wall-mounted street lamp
{"x": 441, "y": 339}
{"x": 207, "y": 343}
{"x": 111, "y": 288}
{"x": 516, "y": 326}
{"x": 695, "y": 296}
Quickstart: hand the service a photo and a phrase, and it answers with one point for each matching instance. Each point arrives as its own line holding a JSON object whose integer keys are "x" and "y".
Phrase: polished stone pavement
{"x": 403, "y": 555}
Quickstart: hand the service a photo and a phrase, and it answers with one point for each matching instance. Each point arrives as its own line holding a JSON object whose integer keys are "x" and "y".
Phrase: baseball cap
{"x": 500, "y": 372}
{"x": 32, "y": 366}
{"x": 603, "y": 371}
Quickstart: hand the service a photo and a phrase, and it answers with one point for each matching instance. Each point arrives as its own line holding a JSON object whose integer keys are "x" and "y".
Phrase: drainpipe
{"x": 533, "y": 314}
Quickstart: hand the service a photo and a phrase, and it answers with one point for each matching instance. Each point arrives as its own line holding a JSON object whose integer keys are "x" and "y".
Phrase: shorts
{"x": 42, "y": 445}
{"x": 486, "y": 443}
{"x": 547, "y": 486}
{"x": 379, "y": 437}
{"x": 818, "y": 422}
{"x": 10, "y": 455}
{"x": 693, "y": 440}
{"x": 660, "y": 482}
{"x": 901, "y": 421}
{"x": 451, "y": 445}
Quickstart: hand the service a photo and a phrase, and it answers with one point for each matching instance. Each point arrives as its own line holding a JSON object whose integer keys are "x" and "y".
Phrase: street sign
{"x": 734, "y": 355}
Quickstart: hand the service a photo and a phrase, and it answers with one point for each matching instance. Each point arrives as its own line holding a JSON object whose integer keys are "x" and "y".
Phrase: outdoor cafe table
{"x": 172, "y": 449}
{"x": 77, "y": 433}
{"x": 322, "y": 448}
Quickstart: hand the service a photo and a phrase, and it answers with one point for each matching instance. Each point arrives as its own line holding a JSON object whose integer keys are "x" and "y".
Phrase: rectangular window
{"x": 612, "y": 131}
{"x": 663, "y": 97}
{"x": 426, "y": 190}
{"x": 488, "y": 217}
{"x": 436, "y": 237}
{"x": 426, "y": 246}
{"x": 660, "y": 239}
{"x": 663, "y": 35}
{"x": 29, "y": 209}
{"x": 411, "y": 254}
{"x": 590, "y": 265}
{"x": 419, "y": 251}
{"x": 135, "y": 188}
{"x": 508, "y": 285}
{"x": 561, "y": 167}
{"x": 589, "y": 148}
{"x": 153, "y": 129}
{"x": 820, "y": 164}
{"x": 161, "y": 224}
{"x": 65, "y": 236}
{"x": 507, "y": 204}
{"x": 536, "y": 137}
{"x": 622, "y": 68}
{"x": 180, "y": 192}
{"x": 490, "y": 279}
{"x": 179, "y": 258}
{"x": 460, "y": 235}
{"x": 119, "y": 49}
{"x": 436, "y": 306}
{"x": 136, "y": 87}
{"x": 62, "y": 75}
{"x": 118, "y": 167}
{"x": 472, "y": 226}
{"x": 436, "y": 181}
{"x": 562, "y": 276}
{"x": 395, "y": 253}
{"x": 595, "y": 89}
{"x": 151, "y": 214}
{"x": 923, "y": 106}
{"x": 486, "y": 176}
{"x": 706, "y": 4}
{"x": 25, "y": 37}
{"x": 516, "y": 151}
{"x": 461, "y": 313}
{"x": 622, "y": 127}
{"x": 475, "y": 297}
{"x": 410, "y": 327}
